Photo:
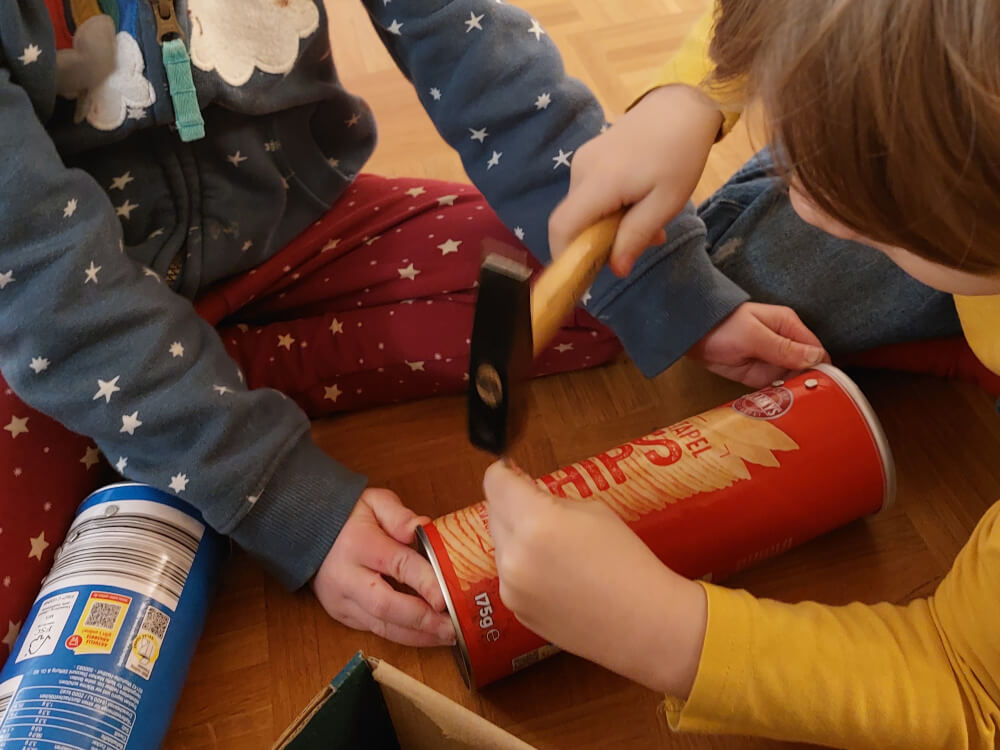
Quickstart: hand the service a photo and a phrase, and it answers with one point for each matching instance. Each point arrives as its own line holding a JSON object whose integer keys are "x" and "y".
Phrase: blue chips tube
{"x": 102, "y": 657}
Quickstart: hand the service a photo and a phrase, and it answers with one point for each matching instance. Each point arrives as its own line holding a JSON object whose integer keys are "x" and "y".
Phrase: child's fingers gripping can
{"x": 102, "y": 657}
{"x": 709, "y": 495}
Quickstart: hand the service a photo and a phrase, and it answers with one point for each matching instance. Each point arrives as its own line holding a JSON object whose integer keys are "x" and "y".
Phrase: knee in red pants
{"x": 45, "y": 472}
{"x": 945, "y": 358}
{"x": 374, "y": 303}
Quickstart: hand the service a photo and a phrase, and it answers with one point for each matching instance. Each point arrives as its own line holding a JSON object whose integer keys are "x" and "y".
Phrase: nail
{"x": 447, "y": 633}
{"x": 814, "y": 355}
{"x": 510, "y": 464}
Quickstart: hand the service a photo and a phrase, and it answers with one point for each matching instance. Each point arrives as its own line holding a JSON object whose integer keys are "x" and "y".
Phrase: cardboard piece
{"x": 373, "y": 705}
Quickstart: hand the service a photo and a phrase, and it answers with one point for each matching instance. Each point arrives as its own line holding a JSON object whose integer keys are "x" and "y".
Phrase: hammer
{"x": 513, "y": 324}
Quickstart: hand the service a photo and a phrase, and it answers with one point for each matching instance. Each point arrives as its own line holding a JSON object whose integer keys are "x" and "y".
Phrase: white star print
{"x": 236, "y": 159}
{"x": 38, "y": 546}
{"x": 333, "y": 162}
{"x": 536, "y": 29}
{"x": 562, "y": 160}
{"x": 17, "y": 471}
{"x": 436, "y": 94}
{"x": 156, "y": 233}
{"x": 177, "y": 349}
{"x": 330, "y": 245}
{"x": 178, "y": 483}
{"x": 272, "y": 146}
{"x": 447, "y": 200}
{"x": 31, "y": 54}
{"x": 150, "y": 272}
{"x": 6, "y": 582}
{"x": 105, "y": 388}
{"x": 416, "y": 366}
{"x": 70, "y": 208}
{"x": 286, "y": 341}
{"x": 395, "y": 28}
{"x": 91, "y": 273}
{"x": 355, "y": 119}
{"x": 122, "y": 181}
{"x": 543, "y": 101}
{"x": 39, "y": 364}
{"x": 519, "y": 233}
{"x": 474, "y": 22}
{"x": 247, "y": 245}
{"x": 6, "y": 278}
{"x": 121, "y": 464}
{"x": 332, "y": 392}
{"x": 587, "y": 296}
{"x": 336, "y": 327}
{"x": 221, "y": 389}
{"x": 239, "y": 374}
{"x": 125, "y": 209}
{"x": 408, "y": 273}
{"x": 415, "y": 192}
{"x": 130, "y": 422}
{"x": 373, "y": 240}
{"x": 17, "y": 426}
{"x": 90, "y": 457}
{"x": 13, "y": 631}
{"x": 563, "y": 348}
{"x": 494, "y": 160}
{"x": 478, "y": 135}
{"x": 451, "y": 246}
{"x": 605, "y": 127}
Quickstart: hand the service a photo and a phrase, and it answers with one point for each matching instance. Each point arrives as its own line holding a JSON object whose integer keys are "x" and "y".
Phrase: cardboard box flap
{"x": 348, "y": 714}
{"x": 426, "y": 720}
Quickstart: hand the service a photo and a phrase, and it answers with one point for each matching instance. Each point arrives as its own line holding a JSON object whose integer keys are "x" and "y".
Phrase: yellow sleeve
{"x": 692, "y": 65}
{"x": 980, "y": 318}
{"x": 922, "y": 676}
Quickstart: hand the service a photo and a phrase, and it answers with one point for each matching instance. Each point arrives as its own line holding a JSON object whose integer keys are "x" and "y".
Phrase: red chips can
{"x": 709, "y": 496}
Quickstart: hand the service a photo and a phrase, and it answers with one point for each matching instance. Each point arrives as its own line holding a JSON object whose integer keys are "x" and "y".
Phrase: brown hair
{"x": 886, "y": 111}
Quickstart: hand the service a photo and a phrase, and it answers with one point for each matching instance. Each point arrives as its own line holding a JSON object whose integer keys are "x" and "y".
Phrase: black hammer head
{"x": 501, "y": 348}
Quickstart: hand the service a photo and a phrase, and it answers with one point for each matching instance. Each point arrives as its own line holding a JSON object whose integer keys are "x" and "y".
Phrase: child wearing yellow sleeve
{"x": 884, "y": 120}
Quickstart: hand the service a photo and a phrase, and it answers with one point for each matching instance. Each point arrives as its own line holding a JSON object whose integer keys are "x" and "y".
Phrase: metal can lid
{"x": 874, "y": 425}
{"x": 460, "y": 650}
{"x": 116, "y": 485}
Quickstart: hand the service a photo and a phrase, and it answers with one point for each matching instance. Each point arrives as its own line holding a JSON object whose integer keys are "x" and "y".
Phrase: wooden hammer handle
{"x": 560, "y": 286}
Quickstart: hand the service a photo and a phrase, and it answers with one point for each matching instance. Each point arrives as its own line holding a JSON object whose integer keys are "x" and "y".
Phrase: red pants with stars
{"x": 371, "y": 305}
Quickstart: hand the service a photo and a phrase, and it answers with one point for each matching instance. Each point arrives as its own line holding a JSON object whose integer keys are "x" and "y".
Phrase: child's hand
{"x": 649, "y": 163}
{"x": 758, "y": 344}
{"x": 349, "y": 584}
{"x": 575, "y": 574}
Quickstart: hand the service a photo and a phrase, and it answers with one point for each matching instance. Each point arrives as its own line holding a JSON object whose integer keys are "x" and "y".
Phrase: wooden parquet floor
{"x": 266, "y": 652}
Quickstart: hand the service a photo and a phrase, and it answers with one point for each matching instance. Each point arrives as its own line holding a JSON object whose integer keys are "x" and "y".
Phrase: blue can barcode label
{"x": 101, "y": 659}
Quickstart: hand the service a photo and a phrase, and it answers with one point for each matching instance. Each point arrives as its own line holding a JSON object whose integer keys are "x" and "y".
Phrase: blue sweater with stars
{"x": 110, "y": 224}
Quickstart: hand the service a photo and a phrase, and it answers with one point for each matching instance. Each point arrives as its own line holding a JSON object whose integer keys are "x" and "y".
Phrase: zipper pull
{"x": 177, "y": 64}
{"x": 166, "y": 20}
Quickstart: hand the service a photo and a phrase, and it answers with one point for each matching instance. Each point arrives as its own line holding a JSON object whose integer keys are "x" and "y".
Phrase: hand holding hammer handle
{"x": 560, "y": 286}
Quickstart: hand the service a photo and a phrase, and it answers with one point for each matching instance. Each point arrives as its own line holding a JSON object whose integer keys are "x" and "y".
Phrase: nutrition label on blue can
{"x": 93, "y": 709}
